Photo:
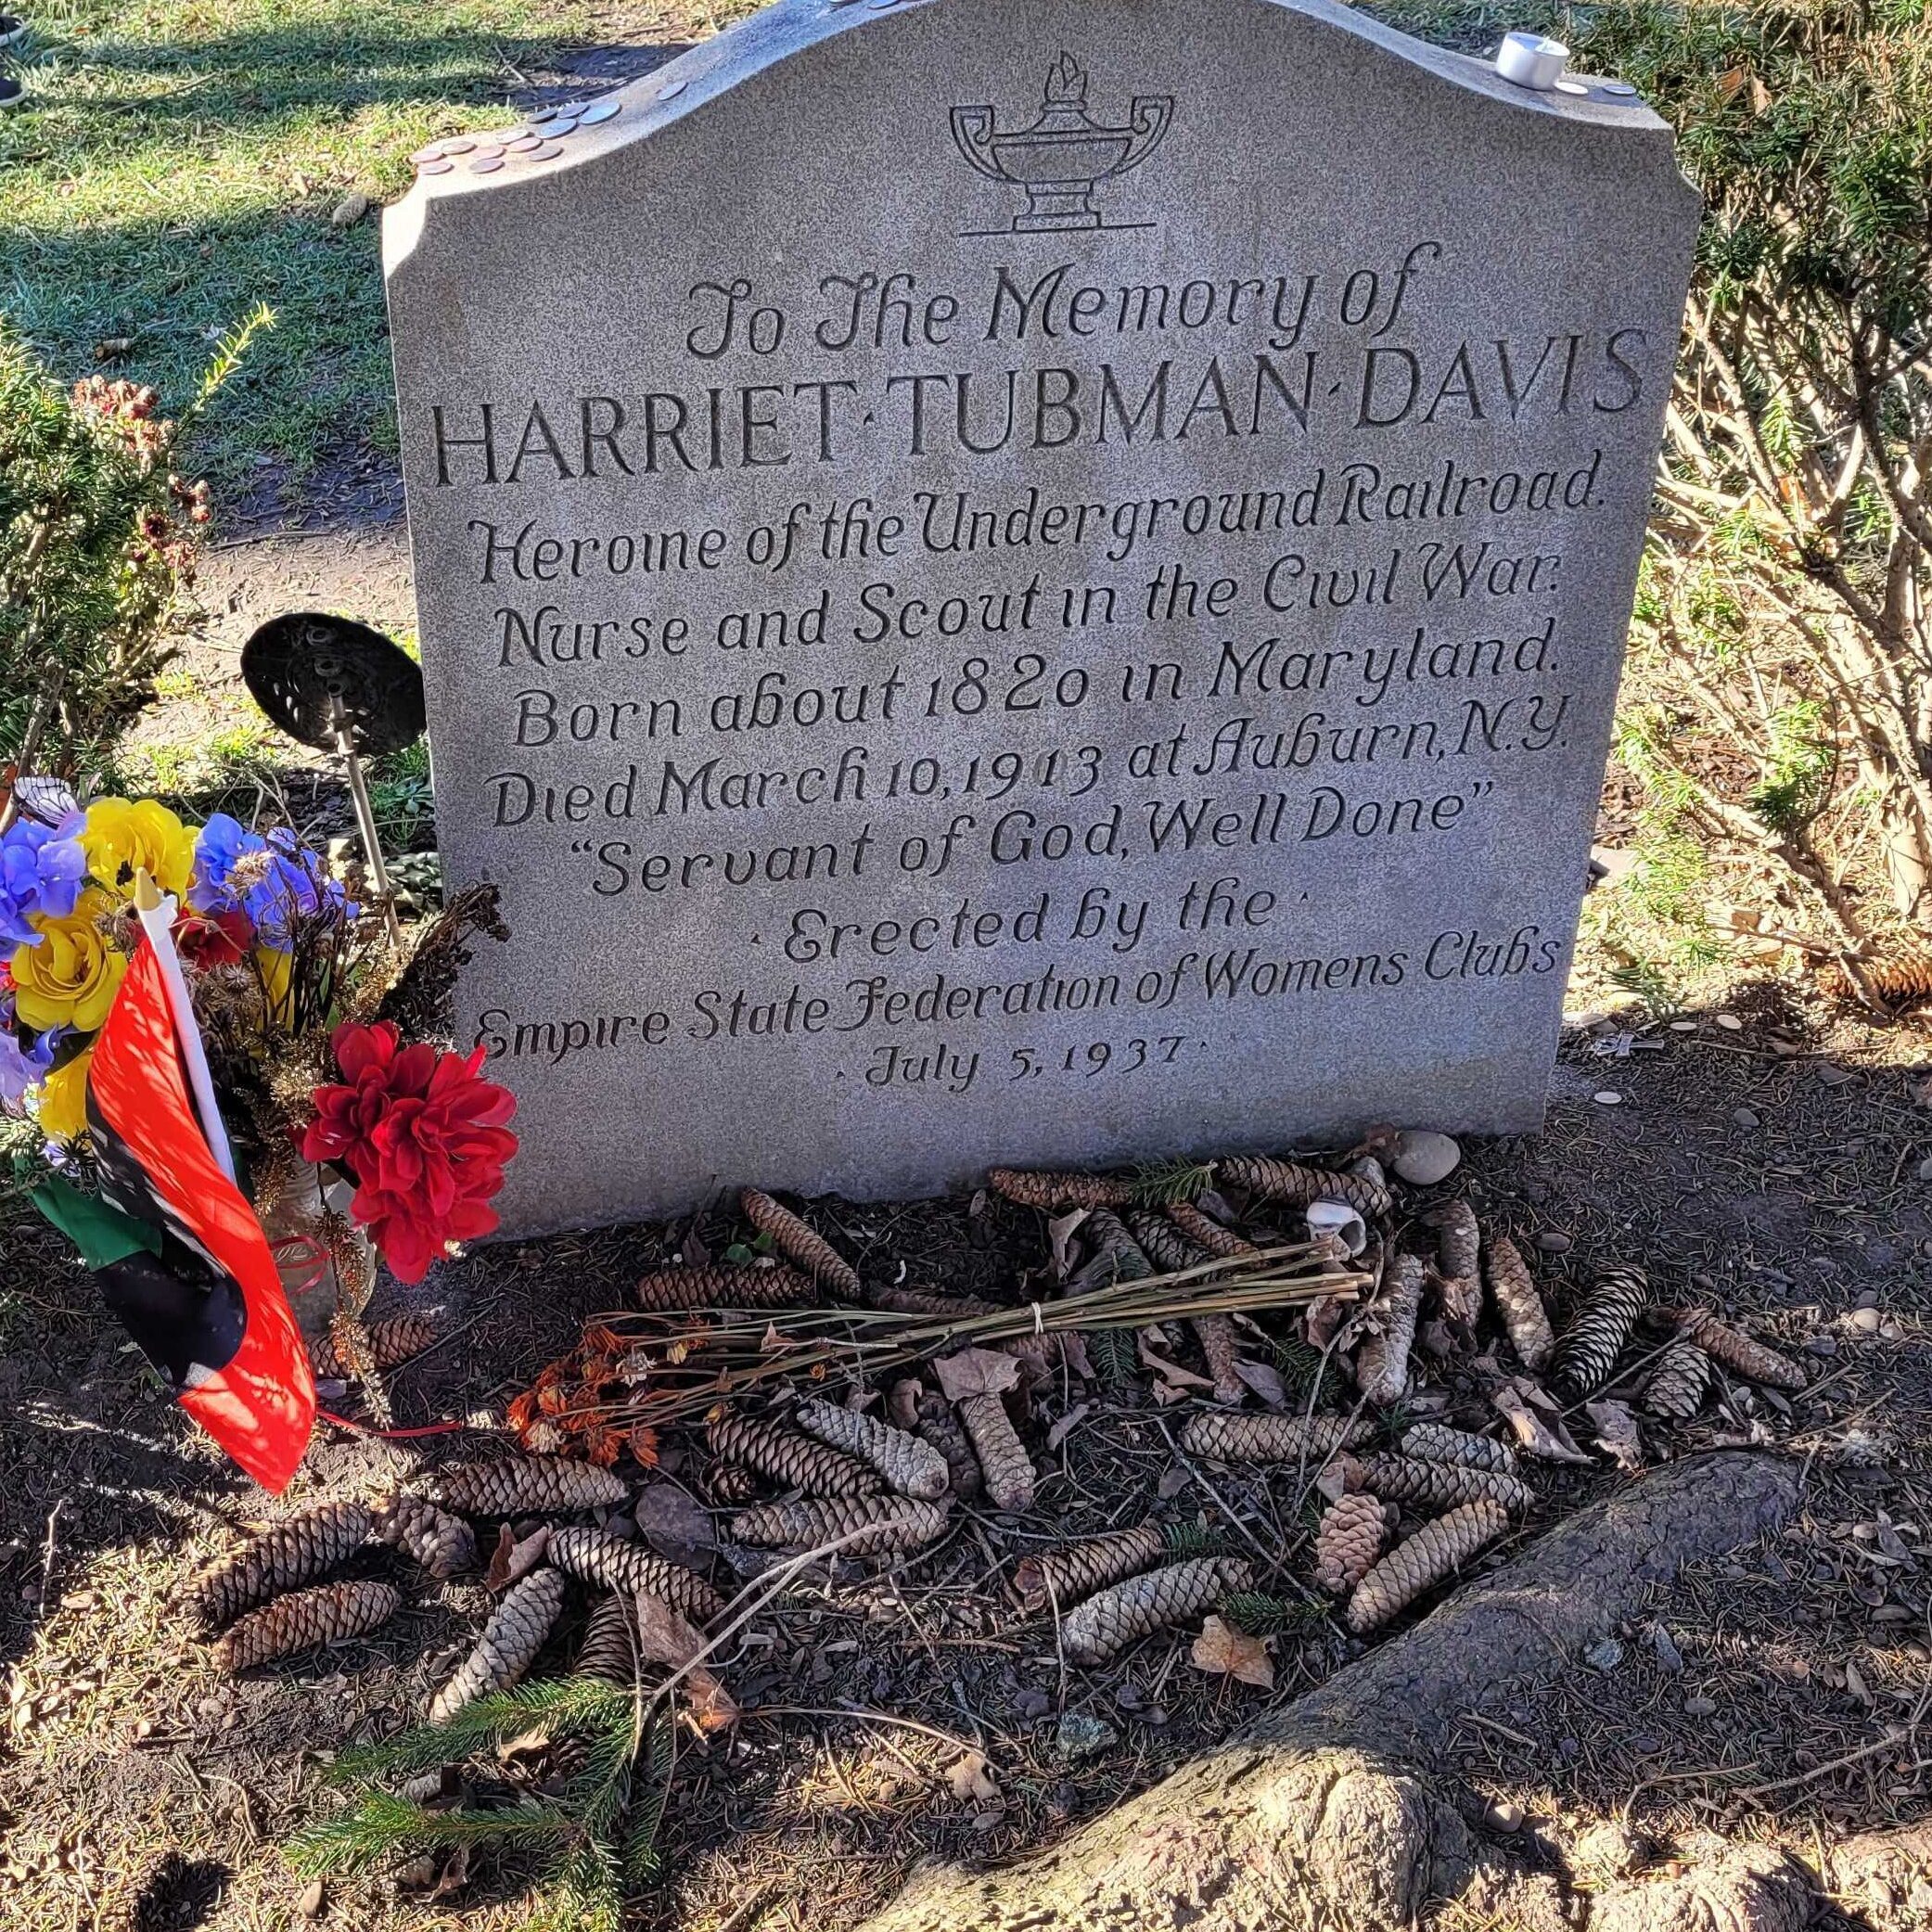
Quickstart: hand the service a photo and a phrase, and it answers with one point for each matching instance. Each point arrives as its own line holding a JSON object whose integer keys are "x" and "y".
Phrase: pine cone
{"x": 1104, "y": 1625}
{"x": 730, "y": 1485}
{"x": 803, "y": 1244}
{"x": 305, "y": 1620}
{"x": 284, "y": 1557}
{"x": 1002, "y": 1455}
{"x": 1352, "y": 1532}
{"x": 1436, "y": 1550}
{"x": 630, "y": 1570}
{"x": 525, "y": 1485}
{"x": 1902, "y": 977}
{"x": 1752, "y": 1360}
{"x": 1437, "y": 1443}
{"x": 1163, "y": 1243}
{"x": 508, "y": 1646}
{"x": 935, "y": 1302}
{"x": 913, "y": 1468}
{"x": 1382, "y": 1356}
{"x": 1067, "y": 1572}
{"x": 608, "y": 1648}
{"x": 1290, "y": 1183}
{"x": 723, "y": 1285}
{"x": 1458, "y": 1248}
{"x": 1678, "y": 1381}
{"x": 1221, "y": 1351}
{"x": 1513, "y": 1288}
{"x": 1400, "y": 1478}
{"x": 1113, "y": 1254}
{"x": 1058, "y": 1191}
{"x": 1207, "y": 1233}
{"x": 1592, "y": 1343}
{"x": 940, "y": 1427}
{"x": 792, "y": 1461}
{"x": 392, "y": 1343}
{"x": 1271, "y": 1438}
{"x": 443, "y": 1544}
{"x": 887, "y": 1524}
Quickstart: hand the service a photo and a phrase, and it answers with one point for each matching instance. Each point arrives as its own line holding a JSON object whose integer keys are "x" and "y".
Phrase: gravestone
{"x": 1032, "y": 584}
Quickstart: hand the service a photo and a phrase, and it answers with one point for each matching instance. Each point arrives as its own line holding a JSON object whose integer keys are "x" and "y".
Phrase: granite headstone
{"x": 1032, "y": 584}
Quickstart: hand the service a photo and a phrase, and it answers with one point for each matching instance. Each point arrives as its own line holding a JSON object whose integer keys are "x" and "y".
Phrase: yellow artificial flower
{"x": 69, "y": 975}
{"x": 63, "y": 1099}
{"x": 277, "y": 969}
{"x": 120, "y": 836}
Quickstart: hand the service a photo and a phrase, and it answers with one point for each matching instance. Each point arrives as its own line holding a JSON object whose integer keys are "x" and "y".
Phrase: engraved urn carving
{"x": 1065, "y": 155}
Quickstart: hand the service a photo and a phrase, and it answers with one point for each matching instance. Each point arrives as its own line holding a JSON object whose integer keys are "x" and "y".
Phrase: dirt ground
{"x": 1747, "y": 1160}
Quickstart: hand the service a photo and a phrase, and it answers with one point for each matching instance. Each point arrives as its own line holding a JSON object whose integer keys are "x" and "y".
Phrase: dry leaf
{"x": 672, "y": 1524}
{"x": 1066, "y": 1424}
{"x": 1059, "y": 1235}
{"x": 1617, "y": 1433}
{"x": 976, "y": 1372}
{"x": 1172, "y": 1482}
{"x": 453, "y": 1877}
{"x": 512, "y": 1561}
{"x": 1222, "y": 1650}
{"x": 1337, "y": 1476}
{"x": 1180, "y": 1380}
{"x": 1549, "y": 1440}
{"x": 972, "y": 1780}
{"x": 902, "y": 1403}
{"x": 1263, "y": 1381}
{"x": 664, "y": 1637}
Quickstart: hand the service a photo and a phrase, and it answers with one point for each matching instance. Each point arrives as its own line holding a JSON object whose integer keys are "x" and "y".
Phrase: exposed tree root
{"x": 1335, "y": 1813}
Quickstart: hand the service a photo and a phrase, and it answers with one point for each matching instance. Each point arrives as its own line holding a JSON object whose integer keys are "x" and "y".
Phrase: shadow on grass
{"x": 166, "y": 188}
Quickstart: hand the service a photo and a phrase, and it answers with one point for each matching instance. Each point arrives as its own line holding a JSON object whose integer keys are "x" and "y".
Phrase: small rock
{"x": 1552, "y": 1243}
{"x": 1700, "y": 1708}
{"x": 1079, "y": 1735}
{"x": 1684, "y": 1025}
{"x": 1867, "y": 1321}
{"x": 1031, "y": 1703}
{"x": 1729, "y": 1021}
{"x": 1746, "y": 1118}
{"x": 1604, "y": 1656}
{"x": 1504, "y": 1815}
{"x": 349, "y": 211}
{"x": 1925, "y": 1168}
{"x": 1422, "y": 1157}
{"x": 1607, "y": 1097}
{"x": 1822, "y": 1344}
{"x": 1668, "y": 1654}
{"x": 1865, "y": 1298}
{"x": 309, "y": 1905}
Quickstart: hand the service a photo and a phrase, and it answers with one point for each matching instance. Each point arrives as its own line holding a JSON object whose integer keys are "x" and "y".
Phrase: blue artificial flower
{"x": 42, "y": 870}
{"x": 283, "y": 880}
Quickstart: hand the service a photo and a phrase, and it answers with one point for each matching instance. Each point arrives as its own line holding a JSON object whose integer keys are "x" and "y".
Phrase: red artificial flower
{"x": 423, "y": 1134}
{"x": 207, "y": 940}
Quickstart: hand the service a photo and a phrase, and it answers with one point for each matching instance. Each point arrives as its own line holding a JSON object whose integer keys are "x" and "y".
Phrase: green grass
{"x": 178, "y": 161}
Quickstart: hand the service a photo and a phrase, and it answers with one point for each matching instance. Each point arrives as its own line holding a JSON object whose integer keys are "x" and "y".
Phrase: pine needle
{"x": 1161, "y": 1182}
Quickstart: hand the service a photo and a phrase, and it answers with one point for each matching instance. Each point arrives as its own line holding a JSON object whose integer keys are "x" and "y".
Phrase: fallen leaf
{"x": 1172, "y": 1482}
{"x": 1222, "y": 1650}
{"x": 1172, "y": 1381}
{"x": 902, "y": 1403}
{"x": 1334, "y": 1481}
{"x": 1066, "y": 1424}
{"x": 512, "y": 1561}
{"x": 672, "y": 1524}
{"x": 454, "y": 1874}
{"x": 976, "y": 1372}
{"x": 1617, "y": 1433}
{"x": 1263, "y": 1381}
{"x": 1549, "y": 1440}
{"x": 1059, "y": 1235}
{"x": 972, "y": 1780}
{"x": 664, "y": 1637}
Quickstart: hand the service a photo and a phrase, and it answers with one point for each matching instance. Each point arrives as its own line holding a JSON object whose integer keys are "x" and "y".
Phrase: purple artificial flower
{"x": 22, "y": 1066}
{"x": 42, "y": 871}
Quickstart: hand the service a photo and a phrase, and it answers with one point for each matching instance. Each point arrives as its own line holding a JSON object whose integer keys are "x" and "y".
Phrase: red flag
{"x": 228, "y": 1340}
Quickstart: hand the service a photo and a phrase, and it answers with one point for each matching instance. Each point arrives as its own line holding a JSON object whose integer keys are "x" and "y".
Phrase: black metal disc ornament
{"x": 313, "y": 674}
